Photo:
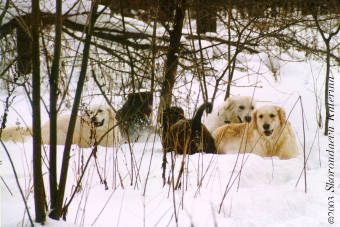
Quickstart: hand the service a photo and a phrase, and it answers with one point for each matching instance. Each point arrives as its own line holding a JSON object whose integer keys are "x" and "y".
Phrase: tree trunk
{"x": 327, "y": 86}
{"x": 327, "y": 41}
{"x": 53, "y": 106}
{"x": 39, "y": 190}
{"x": 172, "y": 57}
{"x": 230, "y": 79}
{"x": 58, "y": 211}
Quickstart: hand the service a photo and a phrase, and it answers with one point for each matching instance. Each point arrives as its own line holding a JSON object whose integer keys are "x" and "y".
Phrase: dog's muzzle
{"x": 97, "y": 123}
{"x": 267, "y": 131}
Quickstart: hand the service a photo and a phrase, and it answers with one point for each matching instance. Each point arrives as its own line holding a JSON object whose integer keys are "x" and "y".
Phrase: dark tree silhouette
{"x": 39, "y": 190}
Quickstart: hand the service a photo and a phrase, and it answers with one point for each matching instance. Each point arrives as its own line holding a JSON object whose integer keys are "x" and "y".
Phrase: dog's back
{"x": 229, "y": 137}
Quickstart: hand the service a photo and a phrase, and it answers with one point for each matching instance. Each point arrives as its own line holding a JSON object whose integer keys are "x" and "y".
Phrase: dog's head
{"x": 237, "y": 109}
{"x": 171, "y": 115}
{"x": 136, "y": 111}
{"x": 269, "y": 120}
{"x": 138, "y": 104}
{"x": 100, "y": 115}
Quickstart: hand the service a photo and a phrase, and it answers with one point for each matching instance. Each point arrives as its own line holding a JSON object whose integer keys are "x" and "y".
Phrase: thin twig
{"x": 304, "y": 143}
{"x": 9, "y": 190}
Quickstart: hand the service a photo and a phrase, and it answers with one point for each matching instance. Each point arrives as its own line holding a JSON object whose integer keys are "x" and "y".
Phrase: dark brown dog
{"x": 170, "y": 116}
{"x": 135, "y": 114}
{"x": 190, "y": 136}
{"x": 185, "y": 136}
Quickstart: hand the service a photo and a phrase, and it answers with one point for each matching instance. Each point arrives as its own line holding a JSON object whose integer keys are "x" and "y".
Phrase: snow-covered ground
{"x": 260, "y": 191}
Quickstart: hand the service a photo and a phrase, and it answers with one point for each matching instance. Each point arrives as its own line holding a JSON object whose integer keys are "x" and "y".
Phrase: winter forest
{"x": 169, "y": 113}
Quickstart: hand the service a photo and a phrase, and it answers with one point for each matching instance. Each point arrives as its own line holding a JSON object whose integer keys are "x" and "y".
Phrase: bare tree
{"x": 39, "y": 189}
{"x": 327, "y": 41}
{"x": 58, "y": 211}
{"x": 53, "y": 106}
{"x": 171, "y": 62}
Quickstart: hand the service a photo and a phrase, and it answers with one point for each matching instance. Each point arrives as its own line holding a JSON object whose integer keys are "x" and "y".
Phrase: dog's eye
{"x": 261, "y": 116}
{"x": 272, "y": 115}
{"x": 100, "y": 110}
{"x": 241, "y": 107}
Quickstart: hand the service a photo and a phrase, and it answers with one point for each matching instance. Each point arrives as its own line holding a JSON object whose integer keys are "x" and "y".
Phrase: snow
{"x": 261, "y": 191}
{"x": 265, "y": 194}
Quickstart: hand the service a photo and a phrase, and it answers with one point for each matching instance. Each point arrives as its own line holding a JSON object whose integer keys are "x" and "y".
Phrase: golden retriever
{"x": 89, "y": 129}
{"x": 236, "y": 109}
{"x": 268, "y": 134}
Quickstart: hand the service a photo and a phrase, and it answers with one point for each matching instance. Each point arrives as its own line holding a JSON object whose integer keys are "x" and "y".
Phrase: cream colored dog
{"x": 268, "y": 134}
{"x": 89, "y": 129}
{"x": 236, "y": 109}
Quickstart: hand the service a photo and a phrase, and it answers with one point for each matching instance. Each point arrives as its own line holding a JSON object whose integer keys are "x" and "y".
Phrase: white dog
{"x": 236, "y": 109}
{"x": 89, "y": 129}
{"x": 268, "y": 134}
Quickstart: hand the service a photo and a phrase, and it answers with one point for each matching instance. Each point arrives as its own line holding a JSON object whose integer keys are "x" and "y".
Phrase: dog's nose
{"x": 93, "y": 119}
{"x": 266, "y": 126}
{"x": 247, "y": 118}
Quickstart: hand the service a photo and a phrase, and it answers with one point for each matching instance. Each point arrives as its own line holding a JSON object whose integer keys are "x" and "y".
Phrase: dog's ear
{"x": 221, "y": 108}
{"x": 111, "y": 113}
{"x": 229, "y": 105}
{"x": 282, "y": 115}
